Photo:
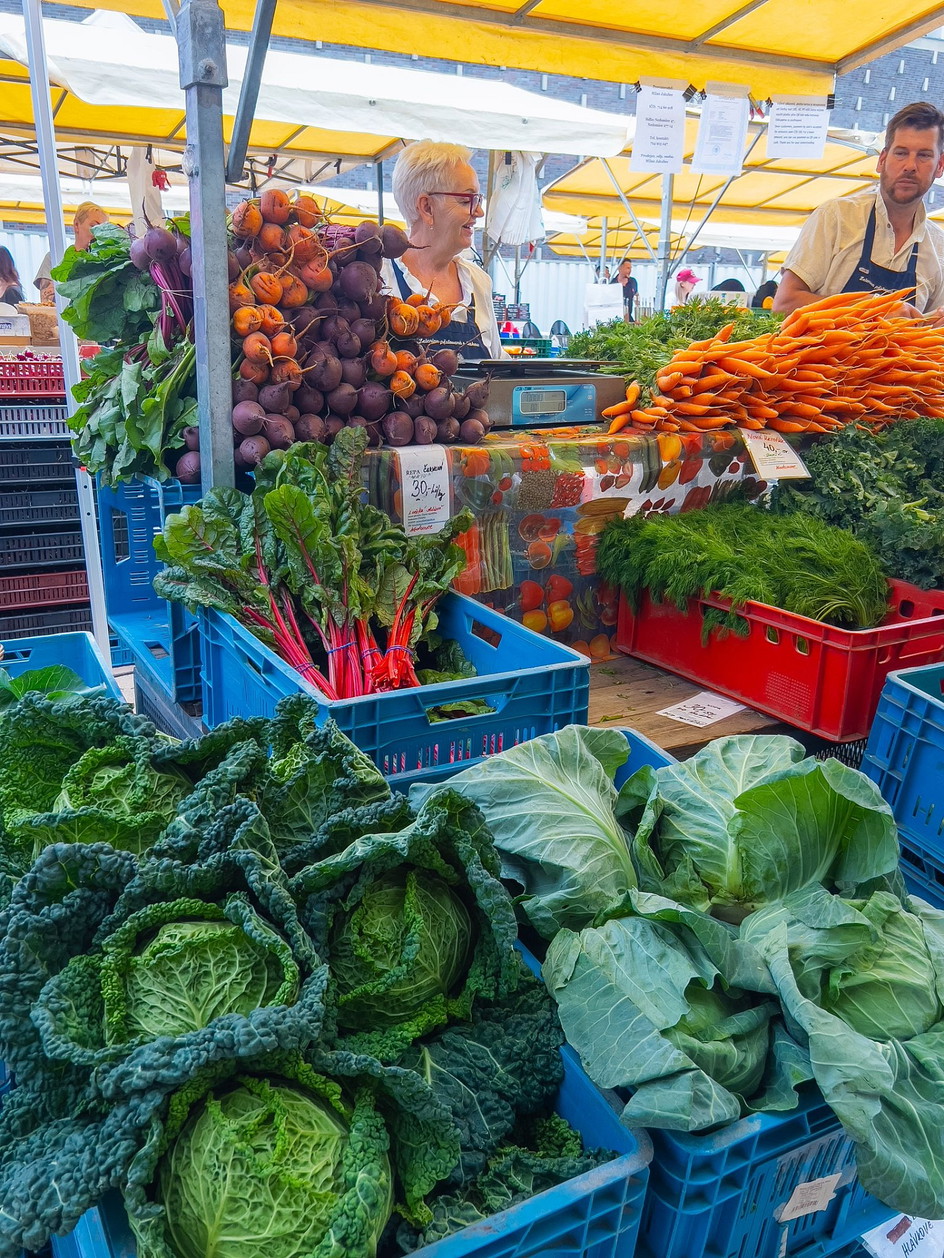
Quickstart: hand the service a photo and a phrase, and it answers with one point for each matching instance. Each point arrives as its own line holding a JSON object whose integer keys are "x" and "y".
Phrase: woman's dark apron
{"x": 868, "y": 276}
{"x": 456, "y": 336}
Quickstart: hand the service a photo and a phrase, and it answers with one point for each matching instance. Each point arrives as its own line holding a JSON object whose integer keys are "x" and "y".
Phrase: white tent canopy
{"x": 108, "y": 60}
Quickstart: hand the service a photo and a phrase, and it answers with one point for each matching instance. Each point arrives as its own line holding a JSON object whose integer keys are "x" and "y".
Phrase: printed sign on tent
{"x": 659, "y": 142}
{"x": 722, "y": 131}
{"x": 797, "y": 127}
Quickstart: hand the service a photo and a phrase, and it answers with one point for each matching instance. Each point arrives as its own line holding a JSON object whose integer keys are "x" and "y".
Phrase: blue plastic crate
{"x": 77, "y": 651}
{"x": 922, "y": 869}
{"x": 905, "y": 754}
{"x": 721, "y": 1193}
{"x": 595, "y": 1215}
{"x": 534, "y": 684}
{"x": 130, "y": 515}
{"x": 152, "y": 700}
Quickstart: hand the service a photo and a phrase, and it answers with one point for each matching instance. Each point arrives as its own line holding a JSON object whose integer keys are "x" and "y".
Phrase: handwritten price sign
{"x": 425, "y": 488}
{"x": 772, "y": 455}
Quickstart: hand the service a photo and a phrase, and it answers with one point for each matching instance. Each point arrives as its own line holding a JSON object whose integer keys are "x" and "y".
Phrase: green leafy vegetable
{"x": 407, "y": 914}
{"x": 748, "y": 819}
{"x": 550, "y": 804}
{"x": 746, "y": 555}
{"x": 56, "y": 683}
{"x": 266, "y": 1165}
{"x": 842, "y": 968}
{"x": 886, "y": 488}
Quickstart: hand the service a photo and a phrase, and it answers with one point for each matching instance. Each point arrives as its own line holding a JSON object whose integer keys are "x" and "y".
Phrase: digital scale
{"x": 544, "y": 392}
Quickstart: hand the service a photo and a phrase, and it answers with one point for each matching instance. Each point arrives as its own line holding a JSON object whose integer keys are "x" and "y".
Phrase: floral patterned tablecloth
{"x": 540, "y": 499}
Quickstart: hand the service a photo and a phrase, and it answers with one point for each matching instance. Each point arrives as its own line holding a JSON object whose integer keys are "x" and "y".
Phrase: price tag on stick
{"x": 425, "y": 487}
{"x": 772, "y": 455}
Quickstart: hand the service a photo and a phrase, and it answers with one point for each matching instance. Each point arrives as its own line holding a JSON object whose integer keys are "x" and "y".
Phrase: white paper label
{"x": 722, "y": 131}
{"x": 425, "y": 488}
{"x": 772, "y": 455}
{"x": 702, "y": 709}
{"x": 905, "y": 1237}
{"x": 810, "y": 1198}
{"x": 659, "y": 141}
{"x": 797, "y": 129}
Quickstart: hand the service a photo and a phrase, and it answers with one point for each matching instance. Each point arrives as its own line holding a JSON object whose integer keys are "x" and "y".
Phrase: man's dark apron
{"x": 868, "y": 276}
{"x": 457, "y": 336}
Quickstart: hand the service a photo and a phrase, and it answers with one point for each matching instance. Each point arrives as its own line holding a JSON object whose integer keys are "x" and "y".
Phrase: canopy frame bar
{"x": 628, "y": 208}
{"x": 249, "y": 89}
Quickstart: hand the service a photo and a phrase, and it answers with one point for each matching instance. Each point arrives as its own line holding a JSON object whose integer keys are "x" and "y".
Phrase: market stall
{"x": 284, "y": 1006}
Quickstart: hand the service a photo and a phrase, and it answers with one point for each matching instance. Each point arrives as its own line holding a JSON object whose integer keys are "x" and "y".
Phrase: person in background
{"x": 437, "y": 192}
{"x": 624, "y": 277}
{"x": 729, "y": 286}
{"x": 685, "y": 282}
{"x": 87, "y": 216}
{"x": 11, "y": 289}
{"x": 879, "y": 239}
{"x": 763, "y": 299}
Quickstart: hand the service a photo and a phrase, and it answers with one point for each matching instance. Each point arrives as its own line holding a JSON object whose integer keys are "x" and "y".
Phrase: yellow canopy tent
{"x": 778, "y": 192}
{"x": 622, "y": 240}
{"x": 770, "y": 45}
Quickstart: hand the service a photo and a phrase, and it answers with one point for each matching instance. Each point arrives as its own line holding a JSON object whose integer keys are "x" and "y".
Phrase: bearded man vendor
{"x": 879, "y": 239}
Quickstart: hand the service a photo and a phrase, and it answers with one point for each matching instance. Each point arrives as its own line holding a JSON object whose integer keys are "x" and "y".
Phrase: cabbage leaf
{"x": 830, "y": 958}
{"x": 550, "y": 804}
{"x": 748, "y": 820}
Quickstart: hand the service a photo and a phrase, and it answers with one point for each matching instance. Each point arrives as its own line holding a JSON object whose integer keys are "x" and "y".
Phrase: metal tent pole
{"x": 249, "y": 91}
{"x": 202, "y": 49}
{"x": 379, "y": 170}
{"x": 603, "y": 227}
{"x": 52, "y": 195}
{"x": 665, "y": 239}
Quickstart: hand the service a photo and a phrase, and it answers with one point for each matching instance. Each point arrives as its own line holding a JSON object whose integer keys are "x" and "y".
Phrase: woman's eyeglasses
{"x": 473, "y": 200}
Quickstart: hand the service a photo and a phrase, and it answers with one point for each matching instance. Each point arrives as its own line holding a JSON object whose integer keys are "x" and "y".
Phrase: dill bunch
{"x": 746, "y": 554}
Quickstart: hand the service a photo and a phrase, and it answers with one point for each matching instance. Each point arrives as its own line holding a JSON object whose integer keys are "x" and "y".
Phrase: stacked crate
{"x": 43, "y": 584}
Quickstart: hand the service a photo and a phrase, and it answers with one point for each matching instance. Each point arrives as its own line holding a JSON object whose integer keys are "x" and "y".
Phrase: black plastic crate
{"x": 36, "y": 550}
{"x": 49, "y": 464}
{"x": 39, "y": 506}
{"x": 38, "y": 420}
{"x": 58, "y": 620}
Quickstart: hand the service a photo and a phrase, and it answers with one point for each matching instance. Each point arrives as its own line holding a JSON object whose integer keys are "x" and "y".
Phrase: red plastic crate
{"x": 30, "y": 589}
{"x": 39, "y": 377}
{"x": 809, "y": 674}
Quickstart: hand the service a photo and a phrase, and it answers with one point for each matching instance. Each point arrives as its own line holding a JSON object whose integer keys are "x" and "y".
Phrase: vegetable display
{"x": 831, "y": 363}
{"x": 319, "y": 346}
{"x": 138, "y": 401}
{"x": 726, "y": 928}
{"x": 292, "y": 1018}
{"x": 885, "y": 487}
{"x": 742, "y": 553}
{"x": 303, "y": 550}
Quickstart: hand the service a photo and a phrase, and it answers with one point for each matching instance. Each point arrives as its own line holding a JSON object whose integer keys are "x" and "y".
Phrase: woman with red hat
{"x": 685, "y": 282}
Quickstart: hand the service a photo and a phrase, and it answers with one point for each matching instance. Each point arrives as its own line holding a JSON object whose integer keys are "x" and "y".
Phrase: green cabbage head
{"x": 405, "y": 942}
{"x": 726, "y": 1034}
{"x": 888, "y": 989}
{"x": 130, "y": 801}
{"x": 174, "y": 967}
{"x": 264, "y": 1168}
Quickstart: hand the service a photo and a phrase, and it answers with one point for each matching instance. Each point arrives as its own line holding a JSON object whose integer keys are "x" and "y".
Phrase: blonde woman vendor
{"x": 437, "y": 192}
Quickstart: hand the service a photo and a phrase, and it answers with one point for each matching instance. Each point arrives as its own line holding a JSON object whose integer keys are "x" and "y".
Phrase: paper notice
{"x": 905, "y": 1237}
{"x": 772, "y": 455}
{"x": 425, "y": 488}
{"x": 810, "y": 1198}
{"x": 702, "y": 709}
{"x": 797, "y": 128}
{"x": 659, "y": 142}
{"x": 722, "y": 132}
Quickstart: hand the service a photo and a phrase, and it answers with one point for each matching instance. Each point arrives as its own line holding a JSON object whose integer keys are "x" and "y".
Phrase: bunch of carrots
{"x": 846, "y": 359}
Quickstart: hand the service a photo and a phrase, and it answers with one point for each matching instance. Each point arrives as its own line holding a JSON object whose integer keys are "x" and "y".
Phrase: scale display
{"x": 532, "y": 404}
